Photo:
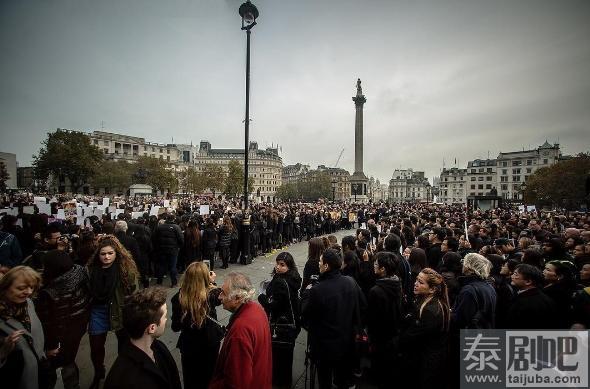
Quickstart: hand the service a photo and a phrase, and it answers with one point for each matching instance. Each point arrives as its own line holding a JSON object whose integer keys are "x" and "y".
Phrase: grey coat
{"x": 31, "y": 345}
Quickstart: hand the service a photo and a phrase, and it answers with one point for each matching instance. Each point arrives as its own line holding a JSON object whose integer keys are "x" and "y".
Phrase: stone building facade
{"x": 407, "y": 185}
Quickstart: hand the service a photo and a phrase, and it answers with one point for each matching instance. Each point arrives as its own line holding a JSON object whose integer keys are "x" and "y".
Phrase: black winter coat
{"x": 331, "y": 309}
{"x": 280, "y": 289}
{"x": 475, "y": 295}
{"x": 63, "y": 309}
{"x": 130, "y": 244}
{"x": 209, "y": 239}
{"x": 424, "y": 346}
{"x": 134, "y": 369}
{"x": 532, "y": 310}
{"x": 168, "y": 236}
{"x": 384, "y": 317}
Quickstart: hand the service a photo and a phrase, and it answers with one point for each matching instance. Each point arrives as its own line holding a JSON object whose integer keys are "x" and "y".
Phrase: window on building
{"x": 489, "y": 170}
{"x": 504, "y": 171}
{"x": 480, "y": 186}
{"x": 545, "y": 161}
{"x": 473, "y": 171}
{"x": 96, "y": 142}
{"x": 488, "y": 186}
{"x": 504, "y": 187}
{"x": 504, "y": 163}
{"x": 167, "y": 151}
{"x": 472, "y": 186}
{"x": 504, "y": 179}
{"x": 516, "y": 178}
{"x": 480, "y": 170}
{"x": 529, "y": 170}
{"x": 488, "y": 178}
{"x": 479, "y": 178}
{"x": 529, "y": 162}
{"x": 516, "y": 163}
{"x": 473, "y": 178}
{"x": 106, "y": 142}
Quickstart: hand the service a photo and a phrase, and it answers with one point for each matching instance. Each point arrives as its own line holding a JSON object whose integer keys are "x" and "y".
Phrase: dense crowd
{"x": 395, "y": 293}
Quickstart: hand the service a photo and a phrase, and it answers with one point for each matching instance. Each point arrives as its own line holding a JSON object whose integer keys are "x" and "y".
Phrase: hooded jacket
{"x": 385, "y": 310}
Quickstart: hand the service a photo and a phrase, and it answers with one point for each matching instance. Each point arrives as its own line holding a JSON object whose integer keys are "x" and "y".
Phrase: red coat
{"x": 245, "y": 359}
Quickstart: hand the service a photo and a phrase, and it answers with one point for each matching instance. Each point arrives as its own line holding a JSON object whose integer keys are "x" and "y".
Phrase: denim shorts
{"x": 100, "y": 322}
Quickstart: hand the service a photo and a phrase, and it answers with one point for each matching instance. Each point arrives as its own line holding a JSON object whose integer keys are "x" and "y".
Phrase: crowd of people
{"x": 386, "y": 302}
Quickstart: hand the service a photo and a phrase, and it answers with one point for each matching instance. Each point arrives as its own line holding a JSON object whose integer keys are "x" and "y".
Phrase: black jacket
{"x": 134, "y": 369}
{"x": 130, "y": 244}
{"x": 281, "y": 288}
{"x": 384, "y": 311}
{"x": 532, "y": 310}
{"x": 63, "y": 309}
{"x": 475, "y": 295}
{"x": 168, "y": 236}
{"x": 434, "y": 256}
{"x": 332, "y": 309}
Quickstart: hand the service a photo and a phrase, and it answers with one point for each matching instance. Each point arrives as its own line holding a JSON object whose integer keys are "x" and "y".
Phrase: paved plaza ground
{"x": 258, "y": 271}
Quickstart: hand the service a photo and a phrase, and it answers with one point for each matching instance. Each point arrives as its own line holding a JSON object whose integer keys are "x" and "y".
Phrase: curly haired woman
{"x": 113, "y": 276}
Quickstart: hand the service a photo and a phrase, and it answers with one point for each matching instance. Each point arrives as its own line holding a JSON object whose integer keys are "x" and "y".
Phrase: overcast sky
{"x": 443, "y": 79}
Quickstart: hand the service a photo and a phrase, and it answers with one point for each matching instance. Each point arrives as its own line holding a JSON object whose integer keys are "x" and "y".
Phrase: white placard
{"x": 79, "y": 220}
{"x": 112, "y": 209}
{"x": 53, "y": 200}
{"x": 88, "y": 211}
{"x": 98, "y": 212}
{"x": 93, "y": 203}
{"x": 166, "y": 203}
{"x": 154, "y": 210}
{"x": 10, "y": 211}
{"x": 79, "y": 212}
{"x": 30, "y": 210}
{"x": 42, "y": 200}
{"x": 19, "y": 222}
{"x": 531, "y": 208}
{"x": 135, "y": 215}
{"x": 118, "y": 212}
{"x": 44, "y": 208}
{"x": 204, "y": 210}
{"x": 61, "y": 215}
{"x": 106, "y": 201}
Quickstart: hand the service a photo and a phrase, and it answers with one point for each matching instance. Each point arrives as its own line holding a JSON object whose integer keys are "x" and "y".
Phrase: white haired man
{"x": 245, "y": 358}
{"x": 475, "y": 305}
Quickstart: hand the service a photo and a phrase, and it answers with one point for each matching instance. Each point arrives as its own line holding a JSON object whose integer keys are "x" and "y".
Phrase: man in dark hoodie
{"x": 384, "y": 317}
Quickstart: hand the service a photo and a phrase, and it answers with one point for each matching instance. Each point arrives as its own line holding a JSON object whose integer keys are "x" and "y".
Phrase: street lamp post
{"x": 523, "y": 190}
{"x": 249, "y": 13}
{"x": 333, "y": 190}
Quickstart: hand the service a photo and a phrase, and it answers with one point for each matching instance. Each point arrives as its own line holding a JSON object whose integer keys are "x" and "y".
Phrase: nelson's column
{"x": 358, "y": 181}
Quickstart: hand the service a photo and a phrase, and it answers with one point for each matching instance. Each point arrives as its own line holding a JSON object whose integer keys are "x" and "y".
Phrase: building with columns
{"x": 294, "y": 173}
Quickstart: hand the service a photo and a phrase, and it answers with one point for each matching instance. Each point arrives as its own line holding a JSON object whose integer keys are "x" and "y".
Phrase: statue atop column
{"x": 359, "y": 90}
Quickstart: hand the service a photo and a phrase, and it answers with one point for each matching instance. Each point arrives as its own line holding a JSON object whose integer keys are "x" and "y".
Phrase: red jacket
{"x": 245, "y": 359}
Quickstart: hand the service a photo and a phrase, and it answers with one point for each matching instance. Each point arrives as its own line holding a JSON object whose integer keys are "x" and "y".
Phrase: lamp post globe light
{"x": 249, "y": 14}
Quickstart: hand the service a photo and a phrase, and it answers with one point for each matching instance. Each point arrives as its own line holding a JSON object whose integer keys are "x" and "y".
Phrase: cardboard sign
{"x": 106, "y": 201}
{"x": 204, "y": 210}
{"x": 154, "y": 210}
{"x": 30, "y": 210}
{"x": 61, "y": 215}
{"x": 43, "y": 209}
{"x": 166, "y": 203}
{"x": 135, "y": 215}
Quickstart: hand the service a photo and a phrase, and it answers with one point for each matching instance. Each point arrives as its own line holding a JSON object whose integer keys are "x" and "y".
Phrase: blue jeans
{"x": 167, "y": 263}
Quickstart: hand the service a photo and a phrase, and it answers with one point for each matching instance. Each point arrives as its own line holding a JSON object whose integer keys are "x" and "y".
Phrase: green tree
{"x": 316, "y": 185}
{"x": 156, "y": 173}
{"x": 192, "y": 181}
{"x": 67, "y": 154}
{"x": 213, "y": 177}
{"x": 115, "y": 176}
{"x": 4, "y": 176}
{"x": 288, "y": 192}
{"x": 562, "y": 184}
{"x": 234, "y": 182}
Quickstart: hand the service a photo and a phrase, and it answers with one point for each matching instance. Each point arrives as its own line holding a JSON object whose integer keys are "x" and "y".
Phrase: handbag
{"x": 282, "y": 330}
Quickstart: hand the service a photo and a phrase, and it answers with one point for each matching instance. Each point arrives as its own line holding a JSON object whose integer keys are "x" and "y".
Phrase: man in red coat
{"x": 245, "y": 359}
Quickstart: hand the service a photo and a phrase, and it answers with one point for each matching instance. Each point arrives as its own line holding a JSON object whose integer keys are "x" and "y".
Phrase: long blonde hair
{"x": 194, "y": 288}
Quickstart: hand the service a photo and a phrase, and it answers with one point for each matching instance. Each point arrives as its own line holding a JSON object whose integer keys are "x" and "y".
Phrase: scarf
{"x": 103, "y": 282}
{"x": 18, "y": 312}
